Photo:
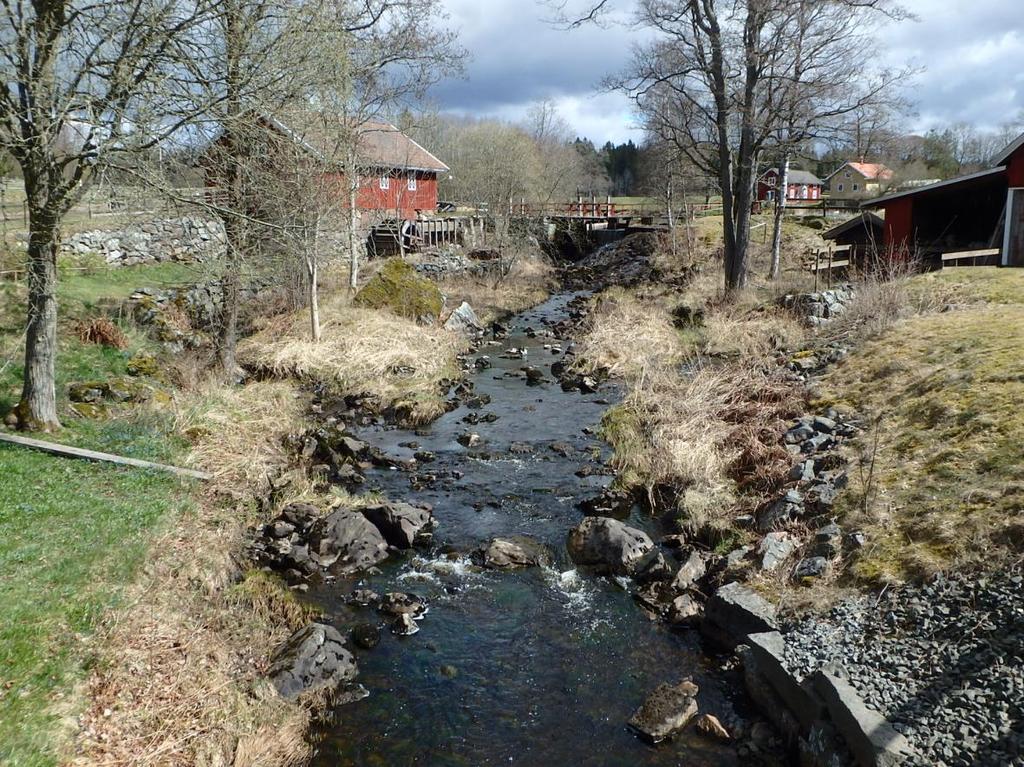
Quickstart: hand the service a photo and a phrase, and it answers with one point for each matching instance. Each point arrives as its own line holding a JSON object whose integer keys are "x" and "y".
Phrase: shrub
{"x": 102, "y": 331}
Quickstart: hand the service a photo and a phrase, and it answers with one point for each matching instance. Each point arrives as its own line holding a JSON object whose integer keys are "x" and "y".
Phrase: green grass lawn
{"x": 71, "y": 536}
{"x": 72, "y": 533}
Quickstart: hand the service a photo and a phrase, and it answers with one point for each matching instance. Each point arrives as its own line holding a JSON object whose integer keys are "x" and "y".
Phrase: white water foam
{"x": 577, "y": 594}
{"x": 441, "y": 570}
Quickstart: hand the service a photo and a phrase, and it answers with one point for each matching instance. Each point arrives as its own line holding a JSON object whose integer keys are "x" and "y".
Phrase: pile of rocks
{"x": 806, "y": 363}
{"x": 301, "y": 542}
{"x": 455, "y": 264}
{"x": 169, "y": 239}
{"x": 816, "y": 479}
{"x": 944, "y": 662}
{"x": 818, "y": 308}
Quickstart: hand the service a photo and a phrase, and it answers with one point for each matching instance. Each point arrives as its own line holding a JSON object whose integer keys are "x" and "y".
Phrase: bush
{"x": 398, "y": 288}
{"x": 102, "y": 331}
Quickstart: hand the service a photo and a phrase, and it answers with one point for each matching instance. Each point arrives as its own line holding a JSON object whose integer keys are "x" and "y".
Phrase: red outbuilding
{"x": 979, "y": 212}
{"x": 397, "y": 178}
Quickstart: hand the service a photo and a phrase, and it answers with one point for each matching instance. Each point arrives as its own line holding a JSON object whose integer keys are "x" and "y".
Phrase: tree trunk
{"x": 780, "y": 212}
{"x": 353, "y": 245}
{"x": 314, "y": 300}
{"x": 228, "y": 337}
{"x": 37, "y": 410}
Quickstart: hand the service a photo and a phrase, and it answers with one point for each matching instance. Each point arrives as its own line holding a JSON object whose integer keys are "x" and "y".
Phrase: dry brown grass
{"x": 688, "y": 432}
{"x": 100, "y": 330}
{"x": 733, "y": 330}
{"x": 528, "y": 282}
{"x": 361, "y": 351}
{"x": 235, "y": 432}
{"x": 180, "y": 667}
{"x": 706, "y": 437}
{"x": 630, "y": 336}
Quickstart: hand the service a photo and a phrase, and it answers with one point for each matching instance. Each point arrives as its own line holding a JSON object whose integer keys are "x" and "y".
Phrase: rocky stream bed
{"x": 492, "y": 601}
{"x": 513, "y": 653}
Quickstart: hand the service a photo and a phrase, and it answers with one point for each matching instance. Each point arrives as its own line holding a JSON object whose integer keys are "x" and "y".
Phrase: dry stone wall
{"x": 189, "y": 238}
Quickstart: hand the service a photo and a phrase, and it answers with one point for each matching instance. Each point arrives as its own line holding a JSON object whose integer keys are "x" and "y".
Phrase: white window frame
{"x": 840, "y": 187}
{"x": 385, "y": 182}
{"x": 856, "y": 188}
{"x": 411, "y": 184}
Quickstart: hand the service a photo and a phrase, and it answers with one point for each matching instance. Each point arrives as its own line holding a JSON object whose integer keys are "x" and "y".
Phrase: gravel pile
{"x": 943, "y": 662}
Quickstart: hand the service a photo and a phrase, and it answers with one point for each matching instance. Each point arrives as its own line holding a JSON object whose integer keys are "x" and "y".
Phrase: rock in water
{"x": 469, "y": 439}
{"x": 464, "y": 320}
{"x": 608, "y": 545}
{"x": 347, "y": 540}
{"x": 666, "y": 711}
{"x": 313, "y": 658}
{"x": 366, "y": 635}
{"x": 710, "y": 726}
{"x": 399, "y": 523}
{"x": 513, "y": 552}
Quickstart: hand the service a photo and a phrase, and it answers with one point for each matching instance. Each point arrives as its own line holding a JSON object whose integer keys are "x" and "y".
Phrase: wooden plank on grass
{"x": 66, "y": 451}
{"x": 970, "y": 254}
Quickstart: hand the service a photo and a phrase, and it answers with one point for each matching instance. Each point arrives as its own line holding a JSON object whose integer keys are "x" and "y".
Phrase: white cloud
{"x": 972, "y": 52}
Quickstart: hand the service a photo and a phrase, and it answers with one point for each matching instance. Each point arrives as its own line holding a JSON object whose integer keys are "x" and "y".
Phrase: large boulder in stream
{"x": 400, "y": 523}
{"x": 608, "y": 545}
{"x": 313, "y": 658}
{"x": 512, "y": 552}
{"x": 666, "y": 711}
{"x": 347, "y": 542}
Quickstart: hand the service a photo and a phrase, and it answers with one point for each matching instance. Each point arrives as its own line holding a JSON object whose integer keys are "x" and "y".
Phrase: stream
{"x": 536, "y": 667}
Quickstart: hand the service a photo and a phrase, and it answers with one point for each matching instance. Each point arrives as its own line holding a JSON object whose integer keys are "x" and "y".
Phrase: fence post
{"x": 817, "y": 263}
{"x": 829, "y": 266}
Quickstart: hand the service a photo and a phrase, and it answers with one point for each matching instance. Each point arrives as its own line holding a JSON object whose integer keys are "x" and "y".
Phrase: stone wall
{"x": 169, "y": 239}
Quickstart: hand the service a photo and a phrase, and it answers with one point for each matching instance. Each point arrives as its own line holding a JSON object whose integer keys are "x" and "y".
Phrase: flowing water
{"x": 539, "y": 667}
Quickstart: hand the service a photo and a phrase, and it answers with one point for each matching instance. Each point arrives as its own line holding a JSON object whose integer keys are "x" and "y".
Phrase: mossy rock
{"x": 143, "y": 365}
{"x": 398, "y": 288}
{"x": 88, "y": 391}
{"x": 90, "y": 410}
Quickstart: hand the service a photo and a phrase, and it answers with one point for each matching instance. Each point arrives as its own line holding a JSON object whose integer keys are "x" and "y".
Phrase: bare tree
{"x": 350, "y": 59}
{"x": 819, "y": 83}
{"x": 85, "y": 83}
{"x": 711, "y": 82}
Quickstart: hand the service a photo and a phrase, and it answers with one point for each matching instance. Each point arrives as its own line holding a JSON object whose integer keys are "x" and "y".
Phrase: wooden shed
{"x": 980, "y": 215}
{"x": 864, "y": 233}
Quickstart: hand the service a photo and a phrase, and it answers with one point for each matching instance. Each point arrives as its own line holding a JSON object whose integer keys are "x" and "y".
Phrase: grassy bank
{"x": 697, "y": 431}
{"x": 933, "y": 372}
{"x": 72, "y": 534}
{"x": 939, "y": 478}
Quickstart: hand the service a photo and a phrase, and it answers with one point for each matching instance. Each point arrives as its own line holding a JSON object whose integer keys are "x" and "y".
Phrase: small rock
{"x": 709, "y": 725}
{"x": 666, "y": 711}
{"x": 469, "y": 439}
{"x": 366, "y": 635}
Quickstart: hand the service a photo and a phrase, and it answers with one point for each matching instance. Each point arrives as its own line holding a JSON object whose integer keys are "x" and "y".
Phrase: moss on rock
{"x": 398, "y": 288}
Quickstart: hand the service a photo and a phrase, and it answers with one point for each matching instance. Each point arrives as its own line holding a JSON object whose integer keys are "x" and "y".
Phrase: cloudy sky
{"x": 973, "y": 52}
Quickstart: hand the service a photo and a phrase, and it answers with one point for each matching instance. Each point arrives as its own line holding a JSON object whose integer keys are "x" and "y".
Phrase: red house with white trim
{"x": 398, "y": 178}
{"x": 979, "y": 211}
{"x": 801, "y": 186}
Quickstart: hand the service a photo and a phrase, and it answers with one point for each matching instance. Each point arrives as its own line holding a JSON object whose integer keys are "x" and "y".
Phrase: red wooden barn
{"x": 801, "y": 186}
{"x": 397, "y": 177}
{"x": 980, "y": 211}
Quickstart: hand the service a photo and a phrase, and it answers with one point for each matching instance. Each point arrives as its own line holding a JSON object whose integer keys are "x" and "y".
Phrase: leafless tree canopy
{"x": 724, "y": 80}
